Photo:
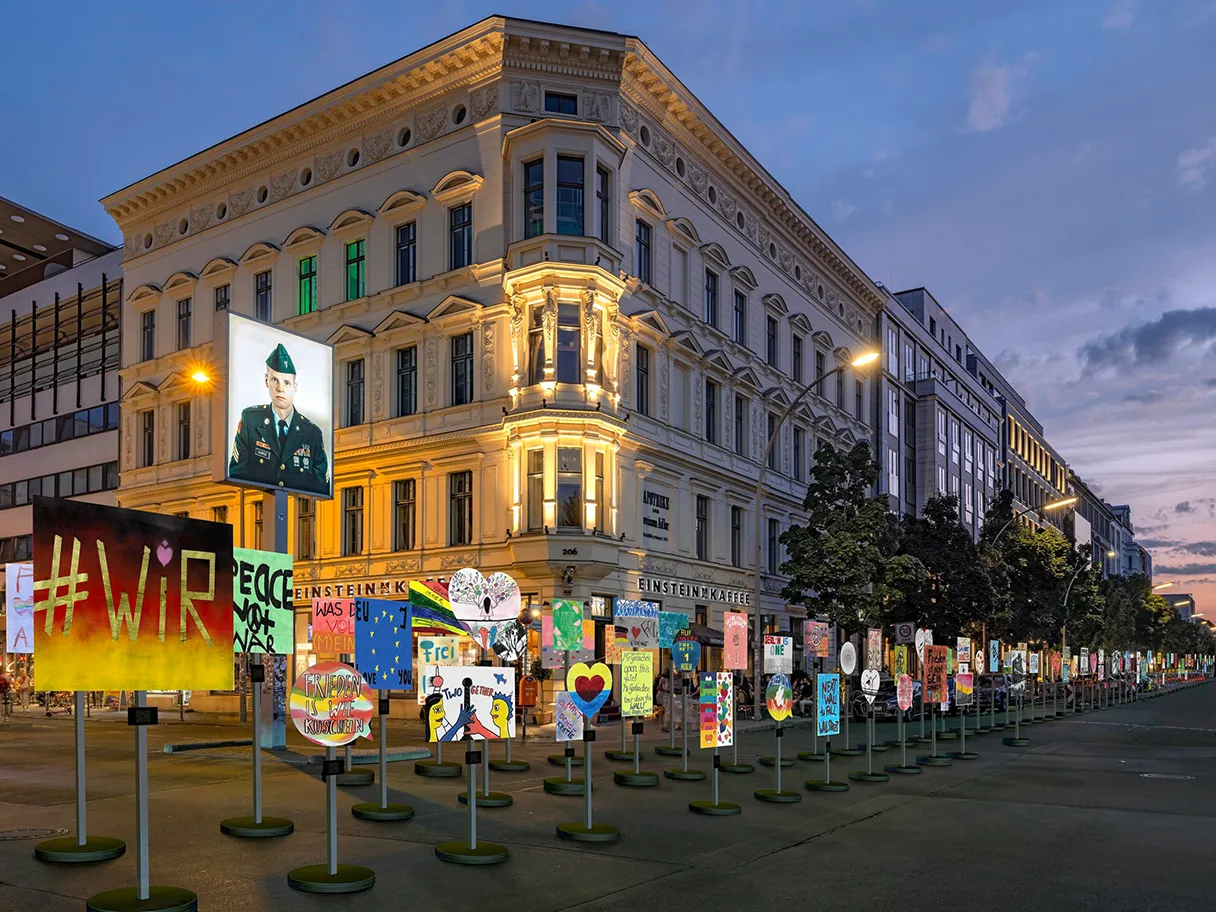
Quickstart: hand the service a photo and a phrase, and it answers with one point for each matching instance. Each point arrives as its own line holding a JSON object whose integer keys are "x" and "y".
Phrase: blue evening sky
{"x": 1047, "y": 168}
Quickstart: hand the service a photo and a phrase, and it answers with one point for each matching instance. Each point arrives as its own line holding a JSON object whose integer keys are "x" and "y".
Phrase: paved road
{"x": 1071, "y": 822}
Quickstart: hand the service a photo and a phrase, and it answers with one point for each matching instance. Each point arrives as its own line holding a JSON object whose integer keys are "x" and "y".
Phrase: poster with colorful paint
{"x": 567, "y": 718}
{"x": 964, "y": 689}
{"x": 778, "y": 654}
{"x": 874, "y": 648}
{"x": 567, "y": 625}
{"x": 262, "y": 602}
{"x": 484, "y": 606}
{"x": 332, "y": 705}
{"x": 589, "y": 686}
{"x": 815, "y": 638}
{"x": 686, "y": 652}
{"x": 637, "y": 683}
{"x": 637, "y": 622}
{"x": 382, "y": 644}
{"x": 670, "y": 623}
{"x": 717, "y": 709}
{"x": 477, "y": 700}
{"x": 126, "y": 600}
{"x": 333, "y": 627}
{"x": 1084, "y": 669}
{"x": 1034, "y": 663}
{"x": 936, "y": 660}
{"x": 614, "y": 644}
{"x": 827, "y": 705}
{"x": 19, "y": 607}
{"x": 433, "y": 651}
{"x": 994, "y": 656}
{"x": 779, "y": 697}
{"x": 734, "y": 640}
{"x": 962, "y": 650}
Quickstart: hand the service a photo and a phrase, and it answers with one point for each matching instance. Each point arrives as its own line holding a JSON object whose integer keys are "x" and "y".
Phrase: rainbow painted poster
{"x": 332, "y": 705}
{"x": 717, "y": 709}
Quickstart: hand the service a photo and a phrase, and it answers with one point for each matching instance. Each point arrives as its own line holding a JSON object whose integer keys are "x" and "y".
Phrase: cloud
{"x": 1152, "y": 342}
{"x": 1210, "y": 381}
{"x": 842, "y": 209}
{"x": 1148, "y": 397}
{"x": 1194, "y": 165}
{"x": 1199, "y": 548}
{"x": 1184, "y": 569}
{"x": 993, "y": 87}
{"x": 1120, "y": 16}
{"x": 1155, "y": 543}
{"x": 1184, "y": 507}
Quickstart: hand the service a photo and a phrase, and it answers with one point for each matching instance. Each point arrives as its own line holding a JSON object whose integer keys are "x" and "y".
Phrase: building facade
{"x": 1094, "y": 524}
{"x": 565, "y": 305}
{"x": 1133, "y": 558}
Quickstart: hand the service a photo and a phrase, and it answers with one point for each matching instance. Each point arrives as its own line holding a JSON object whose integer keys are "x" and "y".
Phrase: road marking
{"x": 1164, "y": 776}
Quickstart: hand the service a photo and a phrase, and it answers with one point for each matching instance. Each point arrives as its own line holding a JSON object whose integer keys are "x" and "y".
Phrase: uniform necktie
{"x": 282, "y": 432}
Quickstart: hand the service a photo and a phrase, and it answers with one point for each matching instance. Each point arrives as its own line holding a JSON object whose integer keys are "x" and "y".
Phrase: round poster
{"x": 332, "y": 705}
{"x": 779, "y": 697}
{"x": 848, "y": 658}
{"x": 903, "y": 692}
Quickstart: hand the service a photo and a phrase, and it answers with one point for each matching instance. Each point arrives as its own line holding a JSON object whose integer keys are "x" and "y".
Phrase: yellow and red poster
{"x": 126, "y": 600}
{"x": 936, "y": 660}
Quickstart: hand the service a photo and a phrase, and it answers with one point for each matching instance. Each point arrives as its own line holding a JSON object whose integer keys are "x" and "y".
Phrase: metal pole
{"x": 331, "y": 816}
{"x": 472, "y": 795}
{"x": 827, "y": 761}
{"x": 82, "y": 836}
{"x": 569, "y": 753}
{"x": 384, "y": 762}
{"x": 815, "y": 704}
{"x": 684, "y": 721}
{"x": 933, "y": 728}
{"x": 637, "y": 759}
{"x": 869, "y": 742}
{"x": 485, "y": 771}
{"x": 962, "y": 717}
{"x": 716, "y": 776}
{"x": 141, "y": 800}
{"x": 257, "y": 751}
{"x": 624, "y": 746}
{"x": 586, "y": 781}
{"x": 778, "y": 758}
{"x": 903, "y": 746}
{"x": 847, "y": 713}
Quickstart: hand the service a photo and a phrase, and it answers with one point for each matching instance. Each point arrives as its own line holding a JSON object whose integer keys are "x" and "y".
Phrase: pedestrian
{"x": 24, "y": 686}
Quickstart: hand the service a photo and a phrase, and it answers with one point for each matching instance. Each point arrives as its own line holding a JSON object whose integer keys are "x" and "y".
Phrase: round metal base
{"x": 317, "y": 879}
{"x": 869, "y": 777}
{"x": 433, "y": 769}
{"x": 848, "y": 751}
{"x": 909, "y": 741}
{"x": 559, "y": 786}
{"x": 947, "y": 736}
{"x": 356, "y": 778}
{"x": 775, "y": 797}
{"x": 930, "y": 760}
{"x": 65, "y": 851}
{"x": 664, "y": 751}
{"x": 620, "y": 756}
{"x": 709, "y": 809}
{"x": 513, "y": 766}
{"x": 248, "y": 828}
{"x": 683, "y": 775}
{"x": 878, "y": 747}
{"x": 772, "y": 761}
{"x": 964, "y": 755}
{"x": 642, "y": 779}
{"x": 560, "y": 760}
{"x": 459, "y": 853}
{"x": 811, "y": 755}
{"x": 160, "y": 899}
{"x": 1033, "y": 721}
{"x": 579, "y": 832}
{"x": 739, "y": 769}
{"x": 818, "y": 785}
{"x": 980, "y": 731}
{"x": 903, "y": 770}
{"x": 492, "y": 800}
{"x": 370, "y": 811}
{"x": 1016, "y": 742}
{"x": 926, "y": 741}
{"x": 996, "y": 728}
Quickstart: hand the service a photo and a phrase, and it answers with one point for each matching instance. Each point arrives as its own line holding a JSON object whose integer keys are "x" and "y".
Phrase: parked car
{"x": 886, "y": 703}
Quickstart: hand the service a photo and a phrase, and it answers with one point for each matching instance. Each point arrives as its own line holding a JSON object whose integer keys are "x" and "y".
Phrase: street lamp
{"x": 1054, "y": 505}
{"x": 1162, "y": 586}
{"x": 758, "y": 645}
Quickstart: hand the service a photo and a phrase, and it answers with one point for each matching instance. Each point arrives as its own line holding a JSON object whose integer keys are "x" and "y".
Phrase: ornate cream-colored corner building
{"x": 564, "y": 303}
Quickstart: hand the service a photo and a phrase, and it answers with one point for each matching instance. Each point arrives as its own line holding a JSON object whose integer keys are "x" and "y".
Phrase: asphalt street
{"x": 1111, "y": 809}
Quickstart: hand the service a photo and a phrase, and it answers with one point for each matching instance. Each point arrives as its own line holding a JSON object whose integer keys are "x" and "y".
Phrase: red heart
{"x": 636, "y": 631}
{"x": 589, "y": 688}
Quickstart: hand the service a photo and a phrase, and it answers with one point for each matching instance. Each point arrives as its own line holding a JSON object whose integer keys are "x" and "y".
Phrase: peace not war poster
{"x": 262, "y": 602}
{"x": 127, "y": 600}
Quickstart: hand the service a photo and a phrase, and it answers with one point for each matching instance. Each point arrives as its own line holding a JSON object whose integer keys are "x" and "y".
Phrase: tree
{"x": 845, "y": 563}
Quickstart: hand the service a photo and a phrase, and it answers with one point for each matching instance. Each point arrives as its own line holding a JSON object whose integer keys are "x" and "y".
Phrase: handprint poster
{"x": 717, "y": 709}
{"x": 474, "y": 702}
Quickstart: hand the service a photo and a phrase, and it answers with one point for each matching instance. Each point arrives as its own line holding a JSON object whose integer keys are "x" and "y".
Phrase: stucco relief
{"x": 597, "y": 106}
{"x": 698, "y": 386}
{"x": 727, "y": 205}
{"x": 282, "y": 184}
{"x": 430, "y": 121}
{"x": 448, "y": 561}
{"x": 239, "y": 202}
{"x": 658, "y": 566}
{"x": 517, "y": 307}
{"x": 785, "y": 259}
{"x": 756, "y": 415}
{"x": 629, "y": 118}
{"x": 375, "y": 147}
{"x": 163, "y": 233}
{"x": 408, "y": 565}
{"x": 128, "y": 450}
{"x": 378, "y": 383}
{"x": 665, "y": 149}
{"x": 162, "y": 432}
{"x": 328, "y": 165}
{"x": 487, "y": 356}
{"x": 626, "y": 350}
{"x": 727, "y": 423}
{"x": 548, "y": 321}
{"x": 484, "y": 101}
{"x": 132, "y": 244}
{"x": 663, "y": 385}
{"x": 200, "y": 216}
{"x": 431, "y": 361}
{"x": 698, "y": 179}
{"x": 525, "y": 96}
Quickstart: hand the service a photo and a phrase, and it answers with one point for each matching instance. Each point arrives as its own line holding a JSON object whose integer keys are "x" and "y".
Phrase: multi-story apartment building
{"x": 60, "y": 306}
{"x": 1094, "y": 524}
{"x": 937, "y": 429}
{"x": 566, "y": 306}
{"x": 1133, "y": 558}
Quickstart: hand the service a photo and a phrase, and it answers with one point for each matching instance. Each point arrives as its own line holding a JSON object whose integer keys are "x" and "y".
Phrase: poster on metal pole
{"x": 827, "y": 705}
{"x": 19, "y": 608}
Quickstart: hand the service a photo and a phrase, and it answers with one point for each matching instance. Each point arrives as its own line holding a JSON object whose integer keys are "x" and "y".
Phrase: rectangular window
{"x": 560, "y": 103}
{"x": 679, "y": 276}
{"x": 147, "y": 335}
{"x": 892, "y": 472}
{"x": 534, "y": 198}
{"x": 183, "y": 430}
{"x": 306, "y": 285}
{"x": 569, "y": 195}
{"x": 257, "y": 525}
{"x": 306, "y": 517}
{"x": 940, "y": 417}
{"x": 354, "y": 393}
{"x": 954, "y": 442}
{"x": 941, "y": 480}
{"x": 968, "y": 451}
{"x": 679, "y": 398}
{"x": 711, "y": 411}
{"x": 910, "y": 420}
{"x": 219, "y": 514}
{"x": 536, "y": 490}
{"x": 570, "y": 488}
{"x": 774, "y": 545}
{"x": 770, "y": 341}
{"x": 184, "y": 306}
{"x": 223, "y": 296}
{"x": 641, "y": 252}
{"x": 860, "y": 398}
{"x": 954, "y": 485}
{"x": 462, "y": 369}
{"x": 407, "y": 380}
{"x": 602, "y": 196}
{"x": 147, "y": 437}
{"x": 352, "y": 521}
{"x": 910, "y": 482}
{"x": 740, "y": 425}
{"x": 356, "y": 254}
{"x": 601, "y": 506}
{"x": 261, "y": 297}
{"x": 569, "y": 337}
{"x": 710, "y": 311}
{"x": 892, "y": 351}
{"x": 536, "y": 346}
{"x": 796, "y": 357}
{"x": 736, "y": 536}
{"x": 460, "y": 236}
{"x": 968, "y": 504}
{"x": 893, "y": 412}
{"x": 407, "y": 253}
{"x": 799, "y": 447}
{"x": 909, "y": 364}
{"x": 460, "y": 508}
{"x": 740, "y": 318}
{"x": 773, "y": 445}
{"x": 405, "y": 514}
{"x": 702, "y": 527}
{"x": 839, "y": 386}
{"x": 642, "y": 370}
{"x": 819, "y": 369}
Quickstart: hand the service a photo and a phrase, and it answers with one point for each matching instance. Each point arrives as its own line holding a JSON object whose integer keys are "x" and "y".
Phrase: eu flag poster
{"x": 384, "y": 644}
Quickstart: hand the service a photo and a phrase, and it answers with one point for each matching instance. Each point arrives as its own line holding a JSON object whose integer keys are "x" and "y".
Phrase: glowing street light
{"x": 1059, "y": 504}
{"x": 864, "y": 359}
{"x": 1162, "y": 586}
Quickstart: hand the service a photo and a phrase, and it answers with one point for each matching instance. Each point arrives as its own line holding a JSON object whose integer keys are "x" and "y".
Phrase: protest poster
{"x": 637, "y": 622}
{"x": 848, "y": 658}
{"x": 964, "y": 689}
{"x": 567, "y": 625}
{"x": 567, "y": 717}
{"x": 778, "y": 654}
{"x": 962, "y": 650}
{"x": 994, "y": 656}
{"x": 685, "y": 652}
{"x": 815, "y": 638}
{"x": 827, "y": 705}
{"x": 332, "y": 705}
{"x": 901, "y": 661}
{"x": 779, "y": 697}
{"x": 382, "y": 644}
{"x": 262, "y": 602}
{"x": 486, "y": 607}
{"x": 637, "y": 683}
{"x": 432, "y": 652}
{"x": 874, "y": 648}
{"x": 473, "y": 700}
{"x": 923, "y": 638}
{"x": 717, "y": 709}
{"x": 1034, "y": 663}
{"x": 670, "y": 623}
{"x": 589, "y": 686}
{"x": 734, "y": 640}
{"x": 333, "y": 627}
{"x": 19, "y": 607}
{"x": 936, "y": 659}
{"x": 903, "y": 692}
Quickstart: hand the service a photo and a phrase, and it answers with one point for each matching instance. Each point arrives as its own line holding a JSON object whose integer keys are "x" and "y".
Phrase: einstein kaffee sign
{"x": 671, "y": 587}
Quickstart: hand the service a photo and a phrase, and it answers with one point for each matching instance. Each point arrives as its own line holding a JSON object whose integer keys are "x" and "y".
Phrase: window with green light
{"x": 307, "y": 295}
{"x": 355, "y": 262}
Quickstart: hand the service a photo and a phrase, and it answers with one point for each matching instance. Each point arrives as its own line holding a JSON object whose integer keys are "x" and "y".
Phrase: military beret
{"x": 280, "y": 361}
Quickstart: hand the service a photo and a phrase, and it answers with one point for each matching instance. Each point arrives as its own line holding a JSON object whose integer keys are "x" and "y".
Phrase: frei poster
{"x": 638, "y": 622}
{"x": 473, "y": 700}
{"x": 936, "y": 659}
{"x": 717, "y": 709}
{"x": 332, "y": 705}
{"x": 126, "y": 600}
{"x": 262, "y": 602}
{"x": 778, "y": 654}
{"x": 568, "y": 719}
{"x": 827, "y": 705}
{"x": 434, "y": 651}
{"x": 567, "y": 625}
{"x": 779, "y": 697}
{"x": 734, "y": 640}
{"x": 637, "y": 680}
{"x": 874, "y": 648}
{"x": 333, "y": 627}
{"x": 19, "y": 606}
{"x": 382, "y": 644}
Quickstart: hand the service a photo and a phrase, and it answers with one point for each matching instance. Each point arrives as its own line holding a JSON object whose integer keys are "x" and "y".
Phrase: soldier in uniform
{"x": 275, "y": 445}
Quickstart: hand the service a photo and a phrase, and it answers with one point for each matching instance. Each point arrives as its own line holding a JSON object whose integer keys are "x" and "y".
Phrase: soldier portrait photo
{"x": 280, "y": 439}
